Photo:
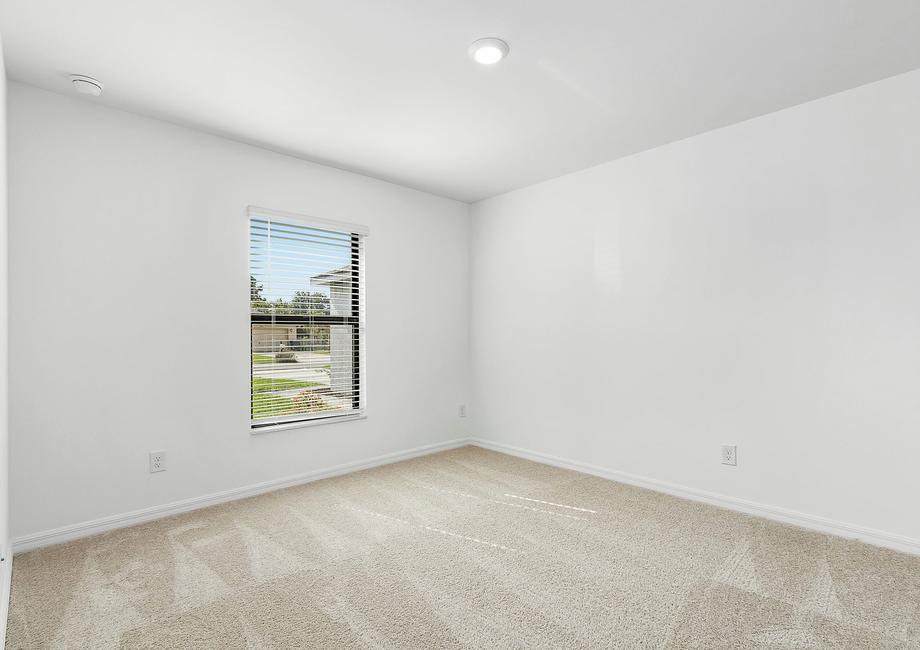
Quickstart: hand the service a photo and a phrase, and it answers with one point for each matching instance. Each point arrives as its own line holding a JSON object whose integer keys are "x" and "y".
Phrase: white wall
{"x": 756, "y": 285}
{"x": 129, "y": 312}
{"x": 4, "y": 429}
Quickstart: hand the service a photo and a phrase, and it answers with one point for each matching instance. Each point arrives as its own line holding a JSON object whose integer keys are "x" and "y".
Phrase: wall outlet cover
{"x": 157, "y": 461}
{"x": 729, "y": 455}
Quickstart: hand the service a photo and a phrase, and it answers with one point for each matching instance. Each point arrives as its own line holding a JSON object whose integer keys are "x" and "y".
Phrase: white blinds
{"x": 306, "y": 318}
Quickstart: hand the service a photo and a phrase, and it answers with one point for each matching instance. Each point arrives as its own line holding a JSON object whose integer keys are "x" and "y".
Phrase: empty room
{"x": 429, "y": 324}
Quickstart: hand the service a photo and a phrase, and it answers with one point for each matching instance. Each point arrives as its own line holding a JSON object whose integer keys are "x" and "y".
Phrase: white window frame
{"x": 354, "y": 229}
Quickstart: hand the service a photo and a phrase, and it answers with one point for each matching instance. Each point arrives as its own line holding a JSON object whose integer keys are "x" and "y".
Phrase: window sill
{"x": 306, "y": 423}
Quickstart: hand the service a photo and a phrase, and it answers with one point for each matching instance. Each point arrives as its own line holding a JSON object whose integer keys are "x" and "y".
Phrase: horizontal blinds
{"x": 306, "y": 319}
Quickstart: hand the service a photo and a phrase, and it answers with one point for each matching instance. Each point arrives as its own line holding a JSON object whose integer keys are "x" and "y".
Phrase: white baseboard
{"x": 803, "y": 520}
{"x": 775, "y": 513}
{"x": 84, "y": 529}
{"x": 6, "y": 576}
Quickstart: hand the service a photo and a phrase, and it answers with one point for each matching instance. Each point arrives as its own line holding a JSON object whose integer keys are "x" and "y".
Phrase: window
{"x": 306, "y": 300}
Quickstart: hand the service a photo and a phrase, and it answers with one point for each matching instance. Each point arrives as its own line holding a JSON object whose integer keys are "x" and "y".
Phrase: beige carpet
{"x": 467, "y": 548}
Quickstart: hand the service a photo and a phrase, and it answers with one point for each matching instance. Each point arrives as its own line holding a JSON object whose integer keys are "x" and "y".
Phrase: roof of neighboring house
{"x": 338, "y": 276}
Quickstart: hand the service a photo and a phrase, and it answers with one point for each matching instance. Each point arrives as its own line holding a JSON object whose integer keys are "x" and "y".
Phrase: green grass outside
{"x": 265, "y": 404}
{"x": 267, "y": 384}
{"x": 264, "y": 409}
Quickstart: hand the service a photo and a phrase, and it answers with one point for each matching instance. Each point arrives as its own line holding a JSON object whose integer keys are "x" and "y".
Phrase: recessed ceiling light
{"x": 86, "y": 85}
{"x": 488, "y": 51}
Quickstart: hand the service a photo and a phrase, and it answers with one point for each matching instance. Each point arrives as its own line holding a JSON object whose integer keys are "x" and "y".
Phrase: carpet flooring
{"x": 465, "y": 548}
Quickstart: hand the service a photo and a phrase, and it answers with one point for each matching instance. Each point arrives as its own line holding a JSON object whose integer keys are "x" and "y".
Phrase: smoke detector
{"x": 86, "y": 85}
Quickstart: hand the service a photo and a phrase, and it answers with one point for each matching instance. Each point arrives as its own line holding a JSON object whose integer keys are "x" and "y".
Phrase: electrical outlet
{"x": 157, "y": 461}
{"x": 729, "y": 455}
{"x": 463, "y": 410}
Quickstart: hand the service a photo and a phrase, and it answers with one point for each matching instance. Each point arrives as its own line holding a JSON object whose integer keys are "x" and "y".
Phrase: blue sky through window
{"x": 285, "y": 257}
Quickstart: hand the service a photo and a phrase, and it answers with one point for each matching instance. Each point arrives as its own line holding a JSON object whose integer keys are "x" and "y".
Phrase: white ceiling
{"x": 386, "y": 88}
